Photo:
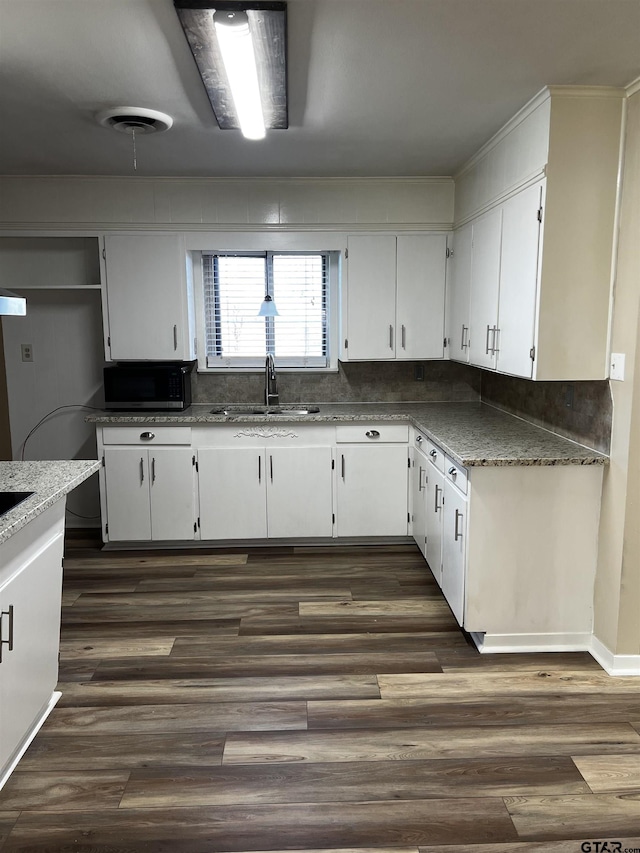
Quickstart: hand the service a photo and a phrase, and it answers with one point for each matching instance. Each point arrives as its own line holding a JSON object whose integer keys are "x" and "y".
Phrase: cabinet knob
{"x": 147, "y": 436}
{"x": 419, "y": 439}
{"x": 433, "y": 454}
{"x": 453, "y": 473}
{"x": 372, "y": 433}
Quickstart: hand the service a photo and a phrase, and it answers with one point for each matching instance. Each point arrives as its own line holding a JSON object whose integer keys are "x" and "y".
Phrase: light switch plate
{"x": 617, "y": 366}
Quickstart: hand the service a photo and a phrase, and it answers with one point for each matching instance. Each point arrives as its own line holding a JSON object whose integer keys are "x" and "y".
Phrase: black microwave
{"x": 155, "y": 385}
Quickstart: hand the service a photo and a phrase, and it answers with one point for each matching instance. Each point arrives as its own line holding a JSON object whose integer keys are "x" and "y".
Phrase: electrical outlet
{"x": 617, "y": 366}
{"x": 418, "y": 372}
{"x": 27, "y": 352}
{"x": 568, "y": 396}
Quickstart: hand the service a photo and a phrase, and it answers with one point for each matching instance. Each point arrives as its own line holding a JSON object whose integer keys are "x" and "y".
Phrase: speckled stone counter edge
{"x": 48, "y": 480}
{"x": 473, "y": 434}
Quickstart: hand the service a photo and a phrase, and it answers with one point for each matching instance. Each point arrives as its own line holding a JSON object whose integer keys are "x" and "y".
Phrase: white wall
{"x": 83, "y": 203}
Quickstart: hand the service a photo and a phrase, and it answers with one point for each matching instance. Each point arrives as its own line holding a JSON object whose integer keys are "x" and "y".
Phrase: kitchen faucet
{"x": 270, "y": 382}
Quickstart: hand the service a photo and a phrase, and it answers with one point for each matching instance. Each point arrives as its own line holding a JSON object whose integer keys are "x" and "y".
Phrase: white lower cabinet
{"x": 149, "y": 494}
{"x": 372, "y": 480}
{"x": 30, "y": 594}
{"x": 454, "y": 542}
{"x": 418, "y": 499}
{"x": 258, "y": 492}
{"x": 434, "y": 512}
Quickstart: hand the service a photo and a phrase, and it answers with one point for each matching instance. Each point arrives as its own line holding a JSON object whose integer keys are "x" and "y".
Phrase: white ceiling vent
{"x": 134, "y": 119}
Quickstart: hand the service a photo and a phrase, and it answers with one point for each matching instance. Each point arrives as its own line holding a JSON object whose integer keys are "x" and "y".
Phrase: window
{"x": 235, "y": 284}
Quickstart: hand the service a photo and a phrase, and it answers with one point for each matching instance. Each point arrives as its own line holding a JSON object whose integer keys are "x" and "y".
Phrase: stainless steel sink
{"x": 280, "y": 411}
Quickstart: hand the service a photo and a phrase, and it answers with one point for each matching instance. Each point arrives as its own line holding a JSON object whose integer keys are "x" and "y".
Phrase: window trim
{"x": 334, "y": 264}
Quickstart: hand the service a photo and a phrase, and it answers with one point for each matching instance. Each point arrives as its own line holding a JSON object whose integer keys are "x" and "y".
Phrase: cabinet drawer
{"x": 435, "y": 455}
{"x": 370, "y": 433}
{"x": 457, "y": 474}
{"x": 146, "y": 434}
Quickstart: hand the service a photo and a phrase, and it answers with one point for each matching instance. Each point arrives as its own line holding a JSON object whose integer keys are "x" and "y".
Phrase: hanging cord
{"x": 39, "y": 424}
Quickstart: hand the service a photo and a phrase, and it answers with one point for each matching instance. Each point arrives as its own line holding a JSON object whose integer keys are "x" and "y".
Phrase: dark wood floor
{"x": 309, "y": 699}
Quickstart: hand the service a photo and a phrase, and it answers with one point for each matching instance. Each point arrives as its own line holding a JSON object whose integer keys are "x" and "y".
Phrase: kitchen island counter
{"x": 473, "y": 434}
{"x": 48, "y": 480}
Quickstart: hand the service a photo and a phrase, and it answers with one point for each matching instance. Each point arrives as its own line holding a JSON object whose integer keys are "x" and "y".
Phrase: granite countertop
{"x": 49, "y": 481}
{"x": 471, "y": 433}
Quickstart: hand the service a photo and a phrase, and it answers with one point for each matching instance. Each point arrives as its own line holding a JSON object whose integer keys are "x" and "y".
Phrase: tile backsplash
{"x": 581, "y": 411}
{"x": 360, "y": 382}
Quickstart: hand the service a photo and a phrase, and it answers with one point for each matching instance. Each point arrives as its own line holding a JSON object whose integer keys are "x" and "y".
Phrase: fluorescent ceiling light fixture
{"x": 236, "y": 47}
{"x": 240, "y": 50}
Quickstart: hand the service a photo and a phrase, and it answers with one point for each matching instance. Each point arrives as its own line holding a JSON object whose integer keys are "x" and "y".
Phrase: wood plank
{"x": 7, "y": 822}
{"x": 397, "y": 607}
{"x": 540, "y": 683}
{"x": 470, "y": 660}
{"x": 583, "y": 816}
{"x": 534, "y": 846}
{"x": 435, "y": 742}
{"x": 610, "y": 773}
{"x": 353, "y": 782}
{"x": 358, "y": 624}
{"x": 111, "y": 750}
{"x": 263, "y": 666}
{"x": 330, "y": 644}
{"x": 494, "y": 711}
{"x": 218, "y": 599}
{"x": 108, "y": 647}
{"x": 160, "y": 631}
{"x": 172, "y": 612}
{"x": 63, "y": 791}
{"x": 172, "y": 690}
{"x": 149, "y": 559}
{"x": 297, "y": 826}
{"x": 180, "y": 717}
{"x": 254, "y": 584}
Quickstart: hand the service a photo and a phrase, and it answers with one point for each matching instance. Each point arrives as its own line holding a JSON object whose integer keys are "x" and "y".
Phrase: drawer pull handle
{"x": 8, "y": 642}
{"x": 453, "y": 472}
{"x": 147, "y": 436}
{"x": 141, "y": 470}
{"x": 372, "y": 433}
{"x": 153, "y": 469}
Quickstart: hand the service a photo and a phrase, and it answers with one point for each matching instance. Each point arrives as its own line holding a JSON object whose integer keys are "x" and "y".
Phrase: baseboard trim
{"x": 26, "y": 743}
{"x": 514, "y": 643}
{"x": 612, "y": 663}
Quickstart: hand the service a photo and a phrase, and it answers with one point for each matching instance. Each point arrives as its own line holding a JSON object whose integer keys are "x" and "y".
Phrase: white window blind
{"x": 234, "y": 287}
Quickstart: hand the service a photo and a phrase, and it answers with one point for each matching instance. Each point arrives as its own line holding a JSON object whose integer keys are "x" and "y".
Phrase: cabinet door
{"x": 421, "y": 268}
{"x": 171, "y": 487}
{"x": 371, "y": 297}
{"x": 485, "y": 286}
{"x": 434, "y": 512}
{"x": 126, "y": 478}
{"x": 454, "y": 547}
{"x": 459, "y": 294}
{"x": 372, "y": 490}
{"x": 299, "y": 492}
{"x": 232, "y": 490}
{"x": 147, "y": 297}
{"x": 418, "y": 500}
{"x": 519, "y": 281}
{"x": 29, "y": 672}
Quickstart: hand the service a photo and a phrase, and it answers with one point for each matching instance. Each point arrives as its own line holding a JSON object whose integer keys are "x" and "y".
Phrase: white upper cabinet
{"x": 459, "y": 293}
{"x": 519, "y": 281}
{"x": 394, "y": 304}
{"x": 149, "y": 302}
{"x": 485, "y": 282}
{"x": 550, "y": 176}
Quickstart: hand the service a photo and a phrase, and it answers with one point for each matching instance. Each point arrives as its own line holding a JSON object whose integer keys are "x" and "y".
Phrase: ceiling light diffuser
{"x": 240, "y": 50}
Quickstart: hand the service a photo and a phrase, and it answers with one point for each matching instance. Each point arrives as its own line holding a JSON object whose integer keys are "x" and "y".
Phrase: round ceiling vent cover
{"x": 138, "y": 119}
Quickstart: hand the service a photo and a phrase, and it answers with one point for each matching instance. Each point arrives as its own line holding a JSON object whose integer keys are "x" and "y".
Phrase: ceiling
{"x": 376, "y": 87}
